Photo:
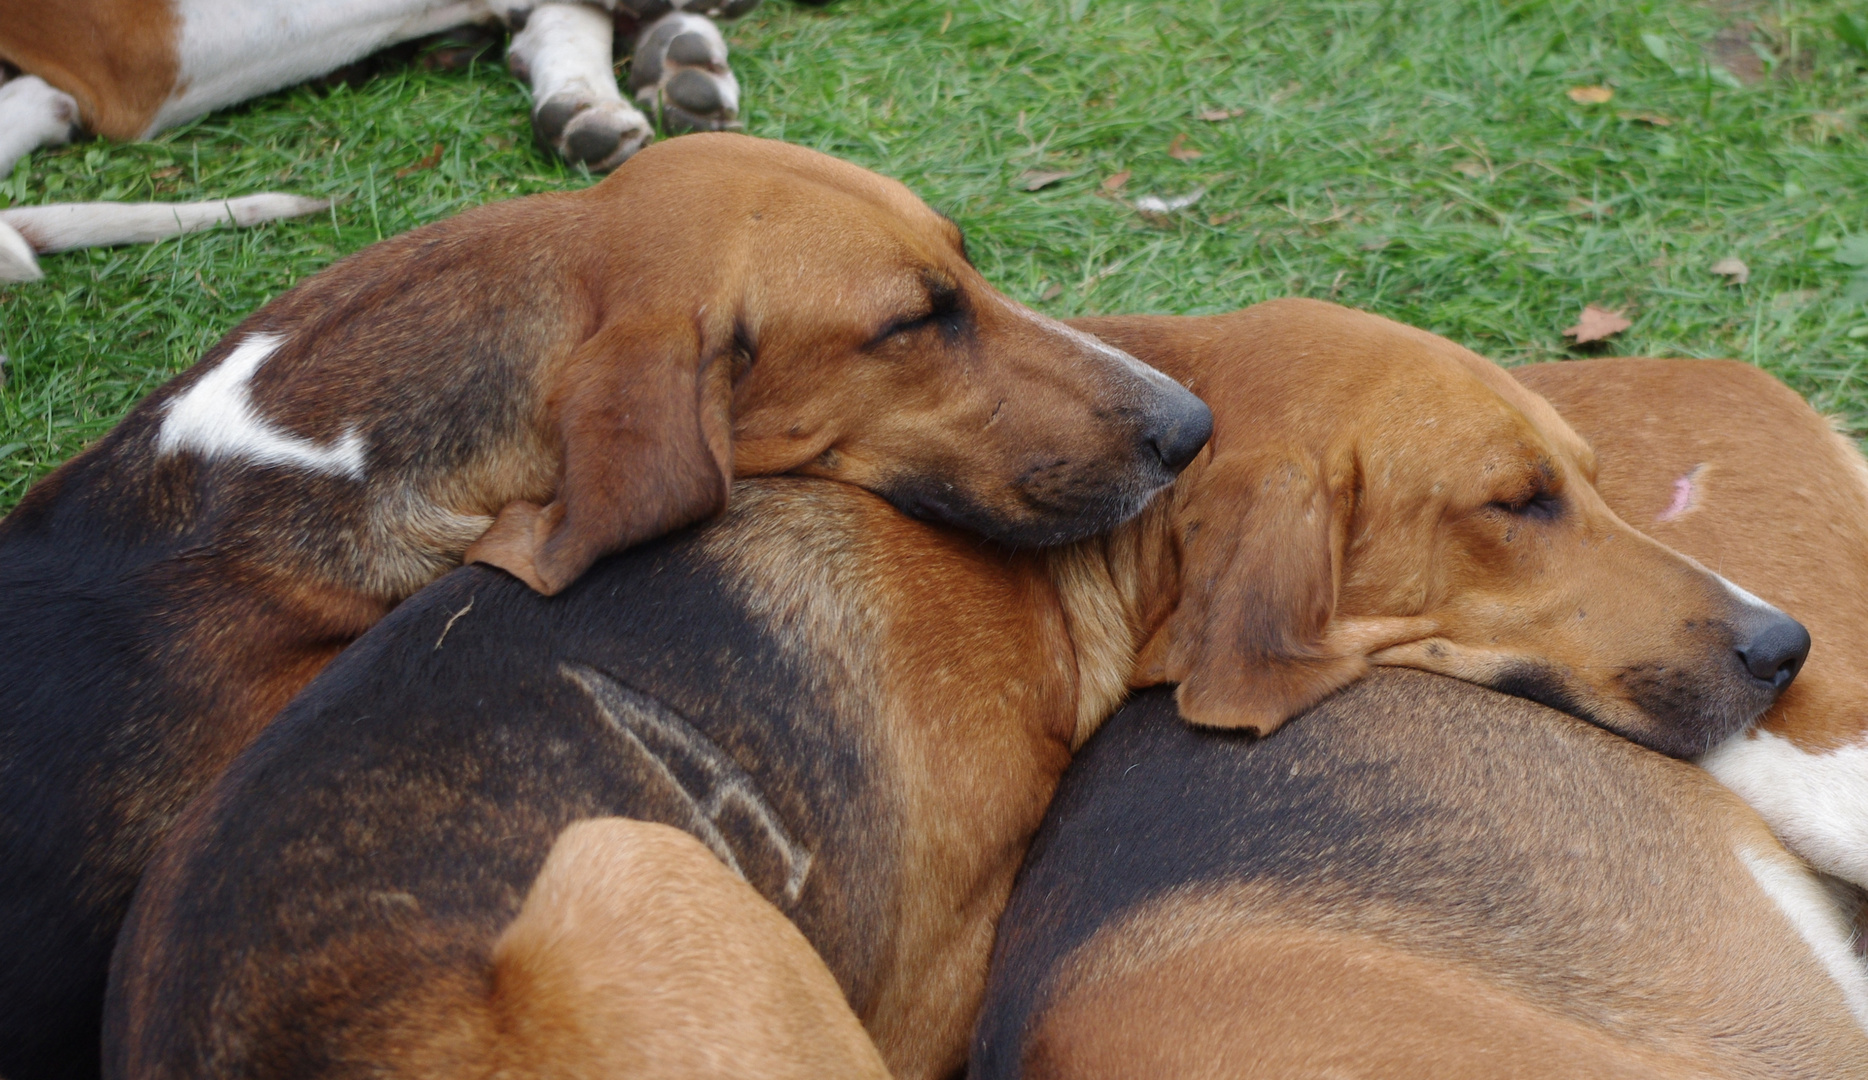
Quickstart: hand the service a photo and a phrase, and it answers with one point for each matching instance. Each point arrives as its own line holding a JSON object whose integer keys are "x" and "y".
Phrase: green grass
{"x": 1420, "y": 159}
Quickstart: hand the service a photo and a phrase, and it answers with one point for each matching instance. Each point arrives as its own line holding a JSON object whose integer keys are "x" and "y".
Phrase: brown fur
{"x": 116, "y": 57}
{"x": 1654, "y": 957}
{"x": 638, "y": 954}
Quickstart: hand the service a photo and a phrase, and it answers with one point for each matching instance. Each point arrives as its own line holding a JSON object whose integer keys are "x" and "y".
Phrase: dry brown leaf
{"x": 429, "y": 162}
{"x": 1114, "y": 183}
{"x": 1051, "y": 291}
{"x": 1033, "y": 179}
{"x": 1216, "y": 115}
{"x": 1180, "y": 151}
{"x": 1597, "y": 323}
{"x": 1217, "y": 220}
{"x": 1473, "y": 169}
{"x": 1590, "y": 95}
{"x": 1734, "y": 268}
{"x": 169, "y": 173}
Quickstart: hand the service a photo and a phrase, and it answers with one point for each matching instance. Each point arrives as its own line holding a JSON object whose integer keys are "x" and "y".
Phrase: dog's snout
{"x": 1774, "y": 650}
{"x": 1179, "y": 429}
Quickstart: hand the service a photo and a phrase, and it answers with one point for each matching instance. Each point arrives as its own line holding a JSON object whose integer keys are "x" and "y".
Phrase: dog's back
{"x": 803, "y": 686}
{"x": 1417, "y": 878}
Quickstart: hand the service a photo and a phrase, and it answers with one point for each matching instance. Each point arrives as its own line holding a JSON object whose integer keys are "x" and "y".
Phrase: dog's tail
{"x": 29, "y": 231}
{"x": 638, "y": 953}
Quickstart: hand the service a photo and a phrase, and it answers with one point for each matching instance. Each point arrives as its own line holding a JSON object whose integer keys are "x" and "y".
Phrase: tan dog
{"x": 166, "y": 591}
{"x": 1378, "y": 495}
{"x": 1717, "y": 459}
{"x": 864, "y": 716}
{"x": 1420, "y": 880}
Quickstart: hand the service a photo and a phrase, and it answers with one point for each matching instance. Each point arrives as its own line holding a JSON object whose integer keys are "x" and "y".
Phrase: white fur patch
{"x": 1817, "y": 804}
{"x": 1818, "y": 920}
{"x": 215, "y": 419}
{"x": 231, "y": 52}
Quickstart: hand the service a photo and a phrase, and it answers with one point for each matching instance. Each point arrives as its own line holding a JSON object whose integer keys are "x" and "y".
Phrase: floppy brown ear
{"x": 1249, "y": 641}
{"x": 645, "y": 427}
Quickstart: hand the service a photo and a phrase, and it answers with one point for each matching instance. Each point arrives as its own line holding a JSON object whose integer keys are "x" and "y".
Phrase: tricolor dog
{"x": 865, "y": 716}
{"x": 128, "y": 69}
{"x": 532, "y": 384}
{"x": 1421, "y": 879}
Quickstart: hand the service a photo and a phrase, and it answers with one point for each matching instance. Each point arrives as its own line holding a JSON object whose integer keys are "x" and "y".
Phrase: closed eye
{"x": 1538, "y": 505}
{"x": 945, "y": 309}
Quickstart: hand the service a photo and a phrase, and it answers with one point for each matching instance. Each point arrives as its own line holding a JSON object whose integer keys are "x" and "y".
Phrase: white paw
{"x": 680, "y": 73}
{"x": 582, "y": 129}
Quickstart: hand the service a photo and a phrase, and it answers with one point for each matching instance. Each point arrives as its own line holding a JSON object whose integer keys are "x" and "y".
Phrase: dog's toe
{"x": 680, "y": 73}
{"x": 582, "y": 130}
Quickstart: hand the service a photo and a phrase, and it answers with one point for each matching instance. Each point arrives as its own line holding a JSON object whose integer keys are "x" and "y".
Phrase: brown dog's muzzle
{"x": 1716, "y": 679}
{"x": 1072, "y": 438}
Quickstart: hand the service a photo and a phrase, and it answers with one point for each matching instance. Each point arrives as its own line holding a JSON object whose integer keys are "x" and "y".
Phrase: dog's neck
{"x": 1116, "y": 590}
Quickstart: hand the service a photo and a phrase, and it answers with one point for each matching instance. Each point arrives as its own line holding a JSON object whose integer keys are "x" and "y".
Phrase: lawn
{"x": 1424, "y": 160}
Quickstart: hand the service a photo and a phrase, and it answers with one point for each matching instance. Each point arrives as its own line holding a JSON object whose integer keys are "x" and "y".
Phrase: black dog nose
{"x": 1180, "y": 431}
{"x": 1776, "y": 650}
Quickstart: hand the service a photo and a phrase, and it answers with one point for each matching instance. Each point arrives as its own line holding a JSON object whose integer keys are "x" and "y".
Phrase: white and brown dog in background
{"x": 128, "y": 69}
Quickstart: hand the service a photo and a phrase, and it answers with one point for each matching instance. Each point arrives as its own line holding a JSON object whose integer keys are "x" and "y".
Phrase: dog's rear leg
{"x": 638, "y": 953}
{"x": 33, "y": 114}
{"x": 578, "y": 113}
{"x": 680, "y": 70}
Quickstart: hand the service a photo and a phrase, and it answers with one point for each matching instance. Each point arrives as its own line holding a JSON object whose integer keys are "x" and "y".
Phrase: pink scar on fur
{"x": 1683, "y": 495}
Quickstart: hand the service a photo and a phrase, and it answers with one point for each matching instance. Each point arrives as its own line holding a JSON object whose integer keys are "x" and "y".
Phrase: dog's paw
{"x": 585, "y": 130}
{"x": 680, "y": 74}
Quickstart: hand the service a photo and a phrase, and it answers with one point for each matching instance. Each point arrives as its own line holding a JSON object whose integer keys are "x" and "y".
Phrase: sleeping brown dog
{"x": 1374, "y": 494}
{"x": 866, "y": 716}
{"x": 586, "y": 367}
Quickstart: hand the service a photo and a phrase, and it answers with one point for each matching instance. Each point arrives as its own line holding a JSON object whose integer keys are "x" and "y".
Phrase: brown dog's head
{"x": 1379, "y": 495}
{"x": 760, "y": 308}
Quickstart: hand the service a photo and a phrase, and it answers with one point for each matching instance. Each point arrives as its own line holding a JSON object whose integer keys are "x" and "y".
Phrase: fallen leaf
{"x": 1220, "y": 219}
{"x": 1796, "y": 298}
{"x": 1051, "y": 291}
{"x": 1734, "y": 268}
{"x": 1592, "y": 209}
{"x": 1216, "y": 115}
{"x": 1597, "y": 323}
{"x": 1033, "y": 179}
{"x": 946, "y": 22}
{"x": 429, "y": 162}
{"x": 1590, "y": 95}
{"x": 1114, "y": 183}
{"x": 166, "y": 174}
{"x": 1473, "y": 169}
{"x": 1180, "y": 151}
{"x": 1155, "y": 204}
{"x": 1375, "y": 243}
{"x": 1654, "y": 119}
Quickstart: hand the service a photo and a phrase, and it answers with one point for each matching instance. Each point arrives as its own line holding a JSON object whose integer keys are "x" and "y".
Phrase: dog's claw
{"x": 680, "y": 73}
{"x": 599, "y": 134}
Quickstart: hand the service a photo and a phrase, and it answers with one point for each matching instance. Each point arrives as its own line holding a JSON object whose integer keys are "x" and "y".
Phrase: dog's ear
{"x": 644, "y": 422}
{"x": 1250, "y": 641}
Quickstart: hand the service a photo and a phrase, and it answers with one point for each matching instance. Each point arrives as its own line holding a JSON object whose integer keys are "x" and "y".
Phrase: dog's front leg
{"x": 679, "y": 71}
{"x": 563, "y": 51}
